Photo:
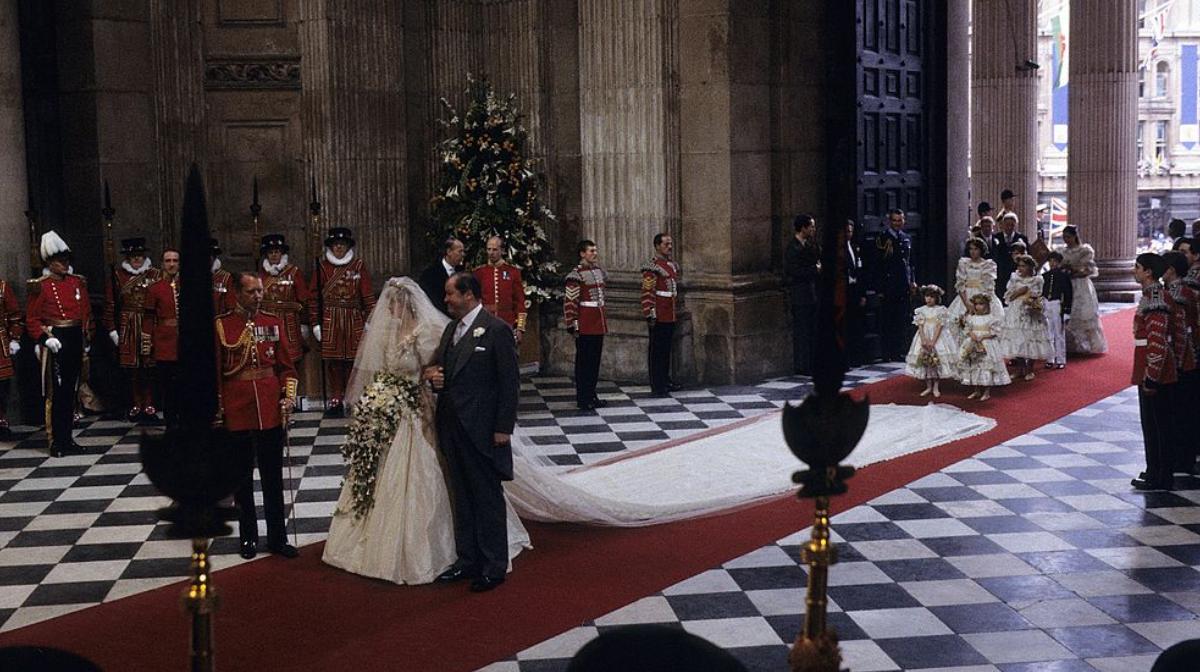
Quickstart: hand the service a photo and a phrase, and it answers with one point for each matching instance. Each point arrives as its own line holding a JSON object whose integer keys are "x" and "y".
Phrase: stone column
{"x": 629, "y": 160}
{"x": 353, "y": 111}
{"x": 14, "y": 234}
{"x": 1101, "y": 165}
{"x": 738, "y": 313}
{"x": 959, "y": 209}
{"x": 1004, "y": 148}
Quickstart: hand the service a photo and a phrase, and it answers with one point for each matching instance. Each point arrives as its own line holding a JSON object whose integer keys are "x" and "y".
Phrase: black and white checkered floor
{"x": 1033, "y": 555}
{"x": 78, "y": 531}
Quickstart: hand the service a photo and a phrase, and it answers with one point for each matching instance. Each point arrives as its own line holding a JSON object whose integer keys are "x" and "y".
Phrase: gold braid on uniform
{"x": 245, "y": 339}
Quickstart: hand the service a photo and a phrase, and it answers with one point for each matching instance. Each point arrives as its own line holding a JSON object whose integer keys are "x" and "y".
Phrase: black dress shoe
{"x": 284, "y": 550}
{"x": 660, "y": 394}
{"x": 585, "y": 407}
{"x": 1143, "y": 484}
{"x": 249, "y": 549}
{"x": 486, "y": 583}
{"x": 454, "y": 574}
{"x": 62, "y": 450}
{"x": 674, "y": 387}
{"x": 599, "y": 403}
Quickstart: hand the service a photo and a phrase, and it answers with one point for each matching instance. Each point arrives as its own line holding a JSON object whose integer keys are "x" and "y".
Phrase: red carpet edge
{"x": 301, "y": 614}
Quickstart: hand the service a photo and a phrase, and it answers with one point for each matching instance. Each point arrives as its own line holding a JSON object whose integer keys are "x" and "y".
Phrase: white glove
{"x": 116, "y": 338}
{"x": 304, "y": 332}
{"x": 13, "y": 348}
{"x": 317, "y": 333}
{"x": 37, "y": 351}
{"x": 53, "y": 345}
{"x": 366, "y": 327}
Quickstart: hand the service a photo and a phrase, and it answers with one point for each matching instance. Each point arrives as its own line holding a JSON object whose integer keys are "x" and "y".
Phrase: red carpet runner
{"x": 303, "y": 615}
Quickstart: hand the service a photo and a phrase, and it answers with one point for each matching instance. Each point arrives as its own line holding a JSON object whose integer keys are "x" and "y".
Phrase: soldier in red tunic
{"x": 584, "y": 317}
{"x": 346, "y": 299}
{"x": 660, "y": 286}
{"x": 161, "y": 326}
{"x": 1182, "y": 300}
{"x": 123, "y": 313}
{"x": 1189, "y": 384}
{"x": 258, "y": 388}
{"x": 285, "y": 292}
{"x": 12, "y": 327}
{"x": 224, "y": 298}
{"x": 1154, "y": 372}
{"x": 59, "y": 319}
{"x": 503, "y": 290}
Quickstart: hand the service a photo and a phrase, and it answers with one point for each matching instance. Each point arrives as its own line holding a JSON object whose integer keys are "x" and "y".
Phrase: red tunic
{"x": 348, "y": 301}
{"x": 503, "y": 293}
{"x": 254, "y": 377}
{"x": 12, "y": 326}
{"x": 57, "y": 302}
{"x": 1183, "y": 321}
{"x": 132, "y": 353}
{"x": 1192, "y": 283}
{"x": 162, "y": 319}
{"x": 224, "y": 298}
{"x": 287, "y": 296}
{"x": 660, "y": 286}
{"x": 583, "y": 300}
{"x": 1153, "y": 358}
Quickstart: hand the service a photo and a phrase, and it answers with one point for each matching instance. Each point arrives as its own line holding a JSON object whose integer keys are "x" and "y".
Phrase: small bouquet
{"x": 929, "y": 360}
{"x": 972, "y": 351}
{"x": 1034, "y": 307}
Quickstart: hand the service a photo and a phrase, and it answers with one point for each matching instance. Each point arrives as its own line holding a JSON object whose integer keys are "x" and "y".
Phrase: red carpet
{"x": 301, "y": 614}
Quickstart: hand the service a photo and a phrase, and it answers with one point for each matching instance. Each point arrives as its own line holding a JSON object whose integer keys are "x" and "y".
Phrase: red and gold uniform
{"x": 161, "y": 322}
{"x": 286, "y": 294}
{"x": 584, "y": 315}
{"x": 255, "y": 370}
{"x": 347, "y": 300}
{"x": 1186, "y": 337}
{"x": 256, "y": 375}
{"x": 660, "y": 287}
{"x": 12, "y": 327}
{"x": 124, "y": 315}
{"x": 58, "y": 307}
{"x": 1183, "y": 320}
{"x": 1154, "y": 373}
{"x": 504, "y": 293}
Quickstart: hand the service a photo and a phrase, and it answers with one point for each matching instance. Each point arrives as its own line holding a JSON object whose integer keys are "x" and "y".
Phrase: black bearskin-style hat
{"x": 214, "y": 248}
{"x": 273, "y": 241}
{"x": 133, "y": 246}
{"x": 339, "y": 235}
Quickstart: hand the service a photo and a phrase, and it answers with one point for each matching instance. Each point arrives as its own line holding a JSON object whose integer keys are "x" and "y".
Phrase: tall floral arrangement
{"x": 487, "y": 186}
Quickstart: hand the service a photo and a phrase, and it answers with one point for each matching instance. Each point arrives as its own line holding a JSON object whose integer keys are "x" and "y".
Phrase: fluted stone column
{"x": 1102, "y": 162}
{"x": 1004, "y": 149}
{"x": 353, "y": 111}
{"x": 14, "y": 235}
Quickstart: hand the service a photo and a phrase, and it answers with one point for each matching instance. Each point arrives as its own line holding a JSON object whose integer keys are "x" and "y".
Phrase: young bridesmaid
{"x": 932, "y": 355}
{"x": 981, "y": 361}
{"x": 1026, "y": 335}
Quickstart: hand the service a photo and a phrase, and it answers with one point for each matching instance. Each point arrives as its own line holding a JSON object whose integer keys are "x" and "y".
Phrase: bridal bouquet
{"x": 384, "y": 402}
{"x": 1034, "y": 307}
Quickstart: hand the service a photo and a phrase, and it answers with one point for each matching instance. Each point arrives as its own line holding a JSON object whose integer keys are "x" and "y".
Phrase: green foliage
{"x": 487, "y": 186}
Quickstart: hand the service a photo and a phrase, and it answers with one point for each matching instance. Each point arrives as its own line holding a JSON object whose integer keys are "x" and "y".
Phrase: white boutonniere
{"x": 478, "y": 332}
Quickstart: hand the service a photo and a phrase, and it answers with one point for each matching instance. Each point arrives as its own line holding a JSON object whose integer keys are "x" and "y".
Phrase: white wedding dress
{"x": 407, "y": 536}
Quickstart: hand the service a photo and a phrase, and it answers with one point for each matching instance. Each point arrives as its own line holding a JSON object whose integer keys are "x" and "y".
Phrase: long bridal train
{"x": 740, "y": 466}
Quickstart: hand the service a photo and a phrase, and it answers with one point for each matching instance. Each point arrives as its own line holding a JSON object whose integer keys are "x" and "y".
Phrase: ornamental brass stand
{"x": 822, "y": 431}
{"x": 194, "y": 462}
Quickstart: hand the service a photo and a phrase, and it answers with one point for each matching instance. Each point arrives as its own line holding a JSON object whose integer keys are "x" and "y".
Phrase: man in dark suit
{"x": 1001, "y": 244}
{"x": 433, "y": 279}
{"x": 856, "y": 299}
{"x": 895, "y": 284}
{"x": 801, "y": 270}
{"x": 475, "y": 373}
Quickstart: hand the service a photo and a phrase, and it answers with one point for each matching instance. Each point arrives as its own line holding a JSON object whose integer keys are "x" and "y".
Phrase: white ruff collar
{"x": 276, "y": 269}
{"x": 216, "y": 265}
{"x": 136, "y": 271}
{"x": 339, "y": 262}
{"x": 70, "y": 270}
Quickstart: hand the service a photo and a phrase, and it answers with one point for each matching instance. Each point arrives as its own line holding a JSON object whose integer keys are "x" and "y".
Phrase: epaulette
{"x": 653, "y": 267}
{"x": 1175, "y": 289}
{"x": 222, "y": 315}
{"x": 1192, "y": 279}
{"x": 575, "y": 275}
{"x": 1153, "y": 299}
{"x": 82, "y": 278}
{"x": 267, "y": 313}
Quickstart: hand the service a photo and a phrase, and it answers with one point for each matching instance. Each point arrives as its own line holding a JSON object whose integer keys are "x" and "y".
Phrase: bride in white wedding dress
{"x": 393, "y": 519}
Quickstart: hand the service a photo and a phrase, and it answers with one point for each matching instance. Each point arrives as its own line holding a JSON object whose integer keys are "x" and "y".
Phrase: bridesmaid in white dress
{"x": 393, "y": 519}
{"x": 1084, "y": 334}
{"x": 975, "y": 275}
{"x": 1026, "y": 334}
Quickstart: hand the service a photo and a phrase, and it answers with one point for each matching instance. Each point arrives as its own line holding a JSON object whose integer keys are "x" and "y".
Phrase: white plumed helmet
{"x": 52, "y": 245}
